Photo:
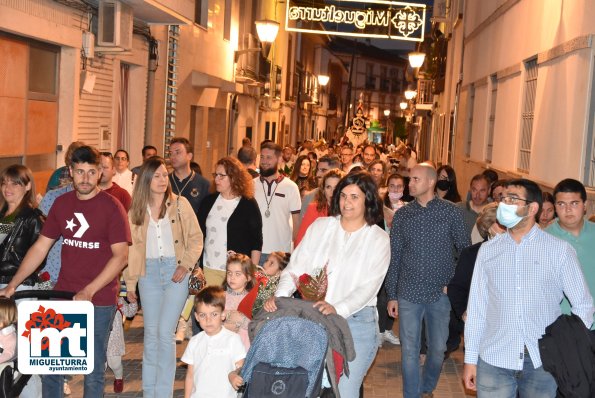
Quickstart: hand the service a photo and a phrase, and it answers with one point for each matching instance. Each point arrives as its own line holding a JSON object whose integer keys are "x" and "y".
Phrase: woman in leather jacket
{"x": 20, "y": 221}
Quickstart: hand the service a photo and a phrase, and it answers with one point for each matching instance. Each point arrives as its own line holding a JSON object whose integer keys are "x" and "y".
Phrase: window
{"x": 527, "y": 115}
{"x": 468, "y": 131}
{"x": 370, "y": 79}
{"x": 492, "y": 119}
{"x": 201, "y": 12}
{"x": 29, "y": 95}
{"x": 289, "y": 88}
{"x": 227, "y": 20}
{"x": 384, "y": 82}
{"x": 395, "y": 86}
{"x": 43, "y": 66}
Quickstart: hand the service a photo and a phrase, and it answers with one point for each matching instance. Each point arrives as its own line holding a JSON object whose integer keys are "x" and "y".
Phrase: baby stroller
{"x": 292, "y": 347}
{"x": 12, "y": 381}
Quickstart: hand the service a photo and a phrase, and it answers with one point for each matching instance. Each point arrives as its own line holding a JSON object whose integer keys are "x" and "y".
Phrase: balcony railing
{"x": 425, "y": 91}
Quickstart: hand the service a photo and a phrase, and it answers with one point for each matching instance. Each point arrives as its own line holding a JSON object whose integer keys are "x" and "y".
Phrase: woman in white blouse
{"x": 357, "y": 252}
{"x": 166, "y": 244}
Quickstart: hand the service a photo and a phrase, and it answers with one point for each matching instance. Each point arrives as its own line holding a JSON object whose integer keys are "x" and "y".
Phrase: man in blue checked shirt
{"x": 519, "y": 280}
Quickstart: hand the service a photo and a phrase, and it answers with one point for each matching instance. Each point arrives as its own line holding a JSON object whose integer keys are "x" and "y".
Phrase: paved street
{"x": 384, "y": 380}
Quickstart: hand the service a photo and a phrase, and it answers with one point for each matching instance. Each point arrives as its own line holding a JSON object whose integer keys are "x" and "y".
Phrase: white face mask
{"x": 395, "y": 195}
{"x": 507, "y": 216}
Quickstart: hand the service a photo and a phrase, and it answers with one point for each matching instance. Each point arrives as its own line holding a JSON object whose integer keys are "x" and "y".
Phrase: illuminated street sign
{"x": 380, "y": 19}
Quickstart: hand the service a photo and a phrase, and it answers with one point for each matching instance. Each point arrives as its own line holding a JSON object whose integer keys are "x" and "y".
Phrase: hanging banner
{"x": 378, "y": 19}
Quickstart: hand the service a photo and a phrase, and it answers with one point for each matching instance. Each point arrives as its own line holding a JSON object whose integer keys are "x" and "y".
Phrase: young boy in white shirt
{"x": 215, "y": 355}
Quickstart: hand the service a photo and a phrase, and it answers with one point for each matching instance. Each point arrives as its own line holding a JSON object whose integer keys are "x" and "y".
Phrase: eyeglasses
{"x": 219, "y": 175}
{"x": 213, "y": 315}
{"x": 513, "y": 200}
{"x": 573, "y": 205}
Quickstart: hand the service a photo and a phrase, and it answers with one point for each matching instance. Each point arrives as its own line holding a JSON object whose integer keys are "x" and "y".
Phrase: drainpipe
{"x": 231, "y": 116}
{"x": 458, "y": 95}
{"x": 153, "y": 46}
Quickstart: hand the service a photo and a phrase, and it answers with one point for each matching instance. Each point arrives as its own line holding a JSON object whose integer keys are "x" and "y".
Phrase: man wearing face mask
{"x": 520, "y": 277}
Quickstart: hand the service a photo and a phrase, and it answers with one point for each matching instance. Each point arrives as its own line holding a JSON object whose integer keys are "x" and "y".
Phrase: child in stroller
{"x": 8, "y": 332}
{"x": 8, "y": 345}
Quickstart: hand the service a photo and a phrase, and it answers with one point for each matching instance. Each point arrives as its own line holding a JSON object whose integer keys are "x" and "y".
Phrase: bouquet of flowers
{"x": 312, "y": 287}
{"x": 44, "y": 282}
{"x": 267, "y": 286}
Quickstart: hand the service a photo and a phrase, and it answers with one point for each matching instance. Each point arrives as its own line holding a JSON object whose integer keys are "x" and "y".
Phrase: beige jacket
{"x": 188, "y": 240}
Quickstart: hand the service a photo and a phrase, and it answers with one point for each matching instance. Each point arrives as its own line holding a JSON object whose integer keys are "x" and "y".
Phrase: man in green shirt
{"x": 570, "y": 199}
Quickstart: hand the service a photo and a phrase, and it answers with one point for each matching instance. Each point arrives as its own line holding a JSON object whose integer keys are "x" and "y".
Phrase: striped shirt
{"x": 515, "y": 294}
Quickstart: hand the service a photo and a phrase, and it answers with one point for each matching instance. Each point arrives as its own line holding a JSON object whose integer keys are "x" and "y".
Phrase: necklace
{"x": 232, "y": 292}
{"x": 267, "y": 212}
{"x": 185, "y": 185}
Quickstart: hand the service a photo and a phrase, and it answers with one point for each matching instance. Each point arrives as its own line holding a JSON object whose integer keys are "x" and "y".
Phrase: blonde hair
{"x": 486, "y": 218}
{"x": 141, "y": 195}
{"x": 8, "y": 312}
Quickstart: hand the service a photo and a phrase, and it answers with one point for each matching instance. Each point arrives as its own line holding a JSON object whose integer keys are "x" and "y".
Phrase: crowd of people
{"x": 394, "y": 238}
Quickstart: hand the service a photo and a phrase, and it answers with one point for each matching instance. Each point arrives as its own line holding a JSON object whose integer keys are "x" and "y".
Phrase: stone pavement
{"x": 383, "y": 380}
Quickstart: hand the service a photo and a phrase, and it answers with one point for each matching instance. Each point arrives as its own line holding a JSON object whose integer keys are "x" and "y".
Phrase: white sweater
{"x": 357, "y": 263}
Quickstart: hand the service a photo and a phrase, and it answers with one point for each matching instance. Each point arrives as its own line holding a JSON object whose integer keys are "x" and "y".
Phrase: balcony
{"x": 425, "y": 96}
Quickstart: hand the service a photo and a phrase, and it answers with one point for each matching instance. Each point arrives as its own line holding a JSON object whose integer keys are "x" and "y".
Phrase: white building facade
{"x": 519, "y": 94}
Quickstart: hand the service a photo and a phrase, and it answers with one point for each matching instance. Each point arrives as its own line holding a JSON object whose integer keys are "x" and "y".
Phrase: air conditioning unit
{"x": 114, "y": 31}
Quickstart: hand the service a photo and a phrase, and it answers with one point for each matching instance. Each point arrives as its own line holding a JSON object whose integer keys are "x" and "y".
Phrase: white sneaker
{"x": 391, "y": 338}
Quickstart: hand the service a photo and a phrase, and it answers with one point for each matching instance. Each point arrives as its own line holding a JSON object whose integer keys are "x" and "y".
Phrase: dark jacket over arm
{"x": 244, "y": 227}
{"x": 460, "y": 284}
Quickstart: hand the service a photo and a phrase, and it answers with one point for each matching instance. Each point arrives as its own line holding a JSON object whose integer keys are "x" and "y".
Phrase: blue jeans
{"x": 163, "y": 301}
{"x": 411, "y": 316}
{"x": 495, "y": 382}
{"x": 364, "y": 330}
{"x": 53, "y": 385}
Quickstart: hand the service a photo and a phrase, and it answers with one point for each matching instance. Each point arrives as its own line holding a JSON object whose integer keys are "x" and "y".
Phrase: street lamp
{"x": 416, "y": 59}
{"x": 267, "y": 33}
{"x": 323, "y": 80}
{"x": 387, "y": 112}
{"x": 403, "y": 105}
{"x": 267, "y": 30}
{"x": 410, "y": 94}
